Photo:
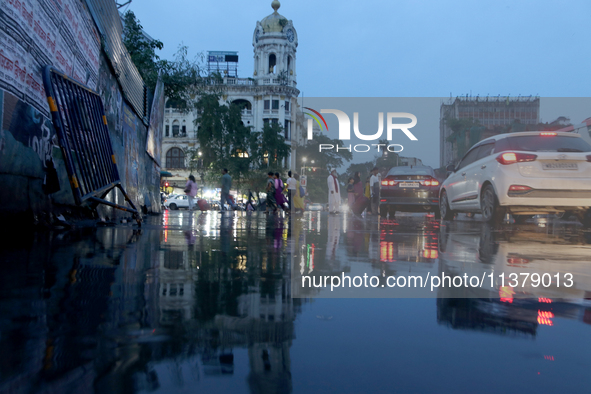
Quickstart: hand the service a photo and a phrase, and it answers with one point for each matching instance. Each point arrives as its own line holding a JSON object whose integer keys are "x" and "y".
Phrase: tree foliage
{"x": 181, "y": 77}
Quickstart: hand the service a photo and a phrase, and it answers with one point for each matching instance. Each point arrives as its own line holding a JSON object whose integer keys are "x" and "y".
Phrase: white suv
{"x": 523, "y": 174}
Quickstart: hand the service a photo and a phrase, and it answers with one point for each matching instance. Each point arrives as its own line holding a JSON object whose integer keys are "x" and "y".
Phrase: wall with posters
{"x": 62, "y": 33}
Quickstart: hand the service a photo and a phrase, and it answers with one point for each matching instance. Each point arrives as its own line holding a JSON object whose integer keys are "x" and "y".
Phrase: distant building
{"x": 269, "y": 96}
{"x": 492, "y": 113}
{"x": 410, "y": 161}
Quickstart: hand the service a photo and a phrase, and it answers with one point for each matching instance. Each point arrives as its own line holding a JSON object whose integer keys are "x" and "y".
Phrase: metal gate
{"x": 81, "y": 125}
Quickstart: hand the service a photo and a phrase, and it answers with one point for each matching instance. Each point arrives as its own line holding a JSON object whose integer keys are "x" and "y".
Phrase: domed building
{"x": 269, "y": 95}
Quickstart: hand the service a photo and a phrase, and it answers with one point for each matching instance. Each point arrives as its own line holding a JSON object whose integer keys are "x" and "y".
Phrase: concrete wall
{"x": 28, "y": 141}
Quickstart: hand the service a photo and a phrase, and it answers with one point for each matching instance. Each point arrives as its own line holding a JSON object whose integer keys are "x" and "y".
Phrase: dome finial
{"x": 275, "y": 4}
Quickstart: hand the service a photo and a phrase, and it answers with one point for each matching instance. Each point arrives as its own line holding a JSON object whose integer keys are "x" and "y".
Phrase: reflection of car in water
{"x": 409, "y": 189}
{"x": 527, "y": 252}
{"x": 513, "y": 310}
{"x": 420, "y": 246}
{"x": 523, "y": 174}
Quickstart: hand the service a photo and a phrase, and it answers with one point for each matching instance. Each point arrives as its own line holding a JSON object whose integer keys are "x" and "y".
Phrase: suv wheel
{"x": 444, "y": 210}
{"x": 489, "y": 205}
{"x": 173, "y": 207}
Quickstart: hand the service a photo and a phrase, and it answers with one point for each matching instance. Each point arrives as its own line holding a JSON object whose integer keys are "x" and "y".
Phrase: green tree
{"x": 181, "y": 77}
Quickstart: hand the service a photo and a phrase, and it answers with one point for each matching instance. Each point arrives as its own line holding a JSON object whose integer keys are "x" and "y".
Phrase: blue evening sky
{"x": 402, "y": 48}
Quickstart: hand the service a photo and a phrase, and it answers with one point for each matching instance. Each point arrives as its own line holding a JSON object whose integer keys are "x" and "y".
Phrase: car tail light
{"x": 389, "y": 182}
{"x": 429, "y": 182}
{"x": 519, "y": 188}
{"x": 513, "y": 157}
{"x": 548, "y": 134}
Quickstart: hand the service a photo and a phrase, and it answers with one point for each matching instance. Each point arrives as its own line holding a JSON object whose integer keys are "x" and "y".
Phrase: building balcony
{"x": 239, "y": 81}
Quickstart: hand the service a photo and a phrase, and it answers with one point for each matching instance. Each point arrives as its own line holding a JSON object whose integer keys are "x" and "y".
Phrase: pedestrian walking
{"x": 271, "y": 203}
{"x": 191, "y": 191}
{"x": 351, "y": 192}
{"x": 334, "y": 193}
{"x": 226, "y": 186}
{"x": 279, "y": 196}
{"x": 291, "y": 189}
{"x": 298, "y": 196}
{"x": 374, "y": 186}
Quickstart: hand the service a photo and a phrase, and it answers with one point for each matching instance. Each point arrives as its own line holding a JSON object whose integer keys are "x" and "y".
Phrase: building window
{"x": 275, "y": 104}
{"x": 287, "y": 106}
{"x": 265, "y": 121}
{"x": 272, "y": 63}
{"x": 286, "y": 130}
{"x": 274, "y": 121}
{"x": 167, "y": 131}
{"x": 175, "y": 158}
{"x": 184, "y": 131}
{"x": 175, "y": 128}
{"x": 267, "y": 104}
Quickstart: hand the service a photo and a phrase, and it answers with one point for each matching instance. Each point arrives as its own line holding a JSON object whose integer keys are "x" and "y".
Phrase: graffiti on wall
{"x": 34, "y": 34}
{"x": 130, "y": 128}
{"x": 154, "y": 142}
{"x": 29, "y": 126}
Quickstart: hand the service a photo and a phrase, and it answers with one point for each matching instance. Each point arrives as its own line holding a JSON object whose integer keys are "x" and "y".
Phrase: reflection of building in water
{"x": 221, "y": 292}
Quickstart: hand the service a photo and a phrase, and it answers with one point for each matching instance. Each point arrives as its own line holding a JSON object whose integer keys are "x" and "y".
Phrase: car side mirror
{"x": 451, "y": 168}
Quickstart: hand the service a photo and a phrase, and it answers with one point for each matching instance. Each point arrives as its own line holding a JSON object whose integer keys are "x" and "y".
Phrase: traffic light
{"x": 166, "y": 184}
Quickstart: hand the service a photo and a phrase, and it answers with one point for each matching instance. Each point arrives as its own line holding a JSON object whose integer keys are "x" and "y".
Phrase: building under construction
{"x": 490, "y": 115}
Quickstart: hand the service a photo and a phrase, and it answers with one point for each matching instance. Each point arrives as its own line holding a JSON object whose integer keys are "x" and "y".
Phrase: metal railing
{"x": 81, "y": 126}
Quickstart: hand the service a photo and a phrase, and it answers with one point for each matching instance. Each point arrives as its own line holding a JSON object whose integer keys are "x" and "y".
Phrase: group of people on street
{"x": 363, "y": 197}
{"x": 277, "y": 200}
{"x": 360, "y": 197}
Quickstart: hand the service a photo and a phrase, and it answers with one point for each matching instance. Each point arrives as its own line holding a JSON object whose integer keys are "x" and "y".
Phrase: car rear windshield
{"x": 536, "y": 143}
{"x": 396, "y": 171}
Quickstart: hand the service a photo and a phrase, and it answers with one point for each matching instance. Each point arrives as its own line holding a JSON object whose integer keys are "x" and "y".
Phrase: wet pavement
{"x": 203, "y": 303}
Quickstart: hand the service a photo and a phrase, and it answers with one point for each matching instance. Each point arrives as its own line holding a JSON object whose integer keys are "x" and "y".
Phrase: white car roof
{"x": 524, "y": 133}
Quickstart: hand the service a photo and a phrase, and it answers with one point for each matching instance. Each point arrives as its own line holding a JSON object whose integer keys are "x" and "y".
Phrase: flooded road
{"x": 204, "y": 303}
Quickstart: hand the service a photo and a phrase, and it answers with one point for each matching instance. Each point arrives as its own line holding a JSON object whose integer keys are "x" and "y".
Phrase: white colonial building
{"x": 270, "y": 95}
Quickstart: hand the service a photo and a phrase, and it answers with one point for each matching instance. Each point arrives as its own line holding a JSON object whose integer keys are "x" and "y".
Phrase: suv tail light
{"x": 506, "y": 158}
{"x": 389, "y": 182}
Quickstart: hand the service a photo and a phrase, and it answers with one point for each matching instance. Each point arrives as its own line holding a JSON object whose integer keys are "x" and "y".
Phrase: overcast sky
{"x": 402, "y": 48}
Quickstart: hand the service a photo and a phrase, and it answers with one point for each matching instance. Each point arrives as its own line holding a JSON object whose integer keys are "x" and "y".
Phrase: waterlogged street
{"x": 212, "y": 303}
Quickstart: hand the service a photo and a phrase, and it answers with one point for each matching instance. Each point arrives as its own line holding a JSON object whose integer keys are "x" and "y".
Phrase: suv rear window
{"x": 536, "y": 143}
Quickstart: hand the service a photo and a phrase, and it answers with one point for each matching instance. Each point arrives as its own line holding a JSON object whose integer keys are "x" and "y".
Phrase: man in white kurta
{"x": 334, "y": 194}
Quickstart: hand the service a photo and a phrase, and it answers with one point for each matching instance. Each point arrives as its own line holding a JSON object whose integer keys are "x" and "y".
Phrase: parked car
{"x": 523, "y": 174}
{"x": 176, "y": 202}
{"x": 315, "y": 206}
{"x": 409, "y": 189}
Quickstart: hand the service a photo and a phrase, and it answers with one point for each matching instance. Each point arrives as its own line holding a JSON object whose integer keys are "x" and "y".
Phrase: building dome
{"x": 275, "y": 22}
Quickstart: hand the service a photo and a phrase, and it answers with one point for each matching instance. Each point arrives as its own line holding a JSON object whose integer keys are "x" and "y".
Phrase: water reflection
{"x": 204, "y": 302}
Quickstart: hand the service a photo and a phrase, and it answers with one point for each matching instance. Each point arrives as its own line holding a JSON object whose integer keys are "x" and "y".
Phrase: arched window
{"x": 272, "y": 63}
{"x": 175, "y": 158}
{"x": 288, "y": 63}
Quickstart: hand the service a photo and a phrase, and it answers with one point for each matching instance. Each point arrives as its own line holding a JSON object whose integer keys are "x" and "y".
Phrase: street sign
{"x": 304, "y": 180}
